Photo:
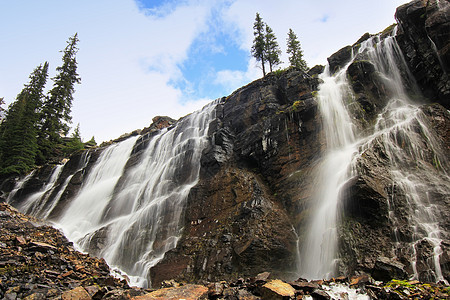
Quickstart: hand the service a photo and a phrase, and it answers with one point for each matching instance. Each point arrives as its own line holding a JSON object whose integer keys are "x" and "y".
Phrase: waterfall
{"x": 318, "y": 251}
{"x": 34, "y": 204}
{"x": 145, "y": 216}
{"x": 19, "y": 185}
{"x": 129, "y": 211}
{"x": 415, "y": 161}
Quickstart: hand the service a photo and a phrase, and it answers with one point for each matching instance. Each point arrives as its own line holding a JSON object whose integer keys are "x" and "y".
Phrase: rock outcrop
{"x": 424, "y": 37}
{"x": 241, "y": 216}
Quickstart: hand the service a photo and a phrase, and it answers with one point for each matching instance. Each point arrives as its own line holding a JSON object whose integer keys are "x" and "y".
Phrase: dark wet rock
{"x": 386, "y": 269}
{"x": 320, "y": 295}
{"x": 339, "y": 59}
{"x": 316, "y": 70}
{"x": 424, "y": 37}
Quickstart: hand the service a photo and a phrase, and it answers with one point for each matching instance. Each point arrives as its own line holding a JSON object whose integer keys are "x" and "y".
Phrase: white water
{"x": 19, "y": 185}
{"x": 84, "y": 212}
{"x": 318, "y": 251}
{"x": 139, "y": 218}
{"x": 34, "y": 204}
{"x": 130, "y": 216}
{"x": 406, "y": 141}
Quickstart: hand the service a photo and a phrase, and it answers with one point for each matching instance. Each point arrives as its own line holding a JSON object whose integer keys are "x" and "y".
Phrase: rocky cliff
{"x": 249, "y": 210}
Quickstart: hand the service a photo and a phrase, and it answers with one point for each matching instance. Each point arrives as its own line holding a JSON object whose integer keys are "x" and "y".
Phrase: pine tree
{"x": 75, "y": 144}
{"x": 18, "y": 132}
{"x": 295, "y": 51}
{"x": 58, "y": 105}
{"x": 272, "y": 48}
{"x": 259, "y": 48}
{"x": 91, "y": 143}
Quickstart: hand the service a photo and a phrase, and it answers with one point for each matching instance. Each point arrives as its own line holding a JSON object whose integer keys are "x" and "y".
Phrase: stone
{"x": 320, "y": 295}
{"x": 35, "y": 296}
{"x": 215, "y": 289}
{"x": 386, "y": 269}
{"x": 307, "y": 287}
{"x": 186, "y": 292}
{"x": 340, "y": 58}
{"x": 78, "y": 293}
{"x": 424, "y": 38}
{"x": 359, "y": 280}
{"x": 262, "y": 277}
{"x": 277, "y": 289}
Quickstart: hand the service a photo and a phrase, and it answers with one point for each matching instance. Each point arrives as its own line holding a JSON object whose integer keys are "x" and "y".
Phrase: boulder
{"x": 186, "y": 292}
{"x": 277, "y": 289}
{"x": 386, "y": 269}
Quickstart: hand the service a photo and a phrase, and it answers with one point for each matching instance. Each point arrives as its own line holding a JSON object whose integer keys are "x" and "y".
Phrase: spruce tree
{"x": 259, "y": 48}
{"x": 272, "y": 48}
{"x": 58, "y": 105}
{"x": 18, "y": 132}
{"x": 295, "y": 51}
{"x": 74, "y": 144}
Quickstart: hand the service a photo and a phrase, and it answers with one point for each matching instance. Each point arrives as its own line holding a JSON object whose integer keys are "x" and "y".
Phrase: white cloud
{"x": 128, "y": 57}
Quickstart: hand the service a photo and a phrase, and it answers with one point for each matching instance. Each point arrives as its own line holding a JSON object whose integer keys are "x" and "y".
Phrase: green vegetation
{"x": 57, "y": 105}
{"x": 296, "y": 105}
{"x": 407, "y": 288}
{"x": 18, "y": 132}
{"x": 74, "y": 144}
{"x": 272, "y": 48}
{"x": 295, "y": 51}
{"x": 265, "y": 47}
{"x": 258, "y": 48}
{"x": 34, "y": 124}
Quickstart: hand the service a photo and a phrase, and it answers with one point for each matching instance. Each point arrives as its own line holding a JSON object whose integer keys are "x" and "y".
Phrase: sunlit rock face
{"x": 255, "y": 182}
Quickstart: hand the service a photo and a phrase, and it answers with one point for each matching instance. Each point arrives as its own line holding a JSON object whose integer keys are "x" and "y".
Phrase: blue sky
{"x": 142, "y": 58}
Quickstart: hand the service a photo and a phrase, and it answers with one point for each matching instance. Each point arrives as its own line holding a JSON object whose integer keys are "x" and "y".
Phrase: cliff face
{"x": 250, "y": 209}
{"x": 241, "y": 216}
{"x": 424, "y": 37}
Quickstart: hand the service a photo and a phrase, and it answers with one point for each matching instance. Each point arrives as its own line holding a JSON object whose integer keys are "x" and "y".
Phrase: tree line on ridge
{"x": 265, "y": 47}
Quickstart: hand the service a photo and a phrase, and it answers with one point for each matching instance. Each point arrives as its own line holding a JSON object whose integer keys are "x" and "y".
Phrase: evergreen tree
{"x": 57, "y": 107}
{"x": 91, "y": 142}
{"x": 259, "y": 48}
{"x": 18, "y": 132}
{"x": 272, "y": 48}
{"x": 295, "y": 51}
{"x": 75, "y": 144}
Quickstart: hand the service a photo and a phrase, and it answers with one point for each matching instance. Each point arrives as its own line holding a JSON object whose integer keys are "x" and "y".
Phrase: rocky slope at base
{"x": 37, "y": 262}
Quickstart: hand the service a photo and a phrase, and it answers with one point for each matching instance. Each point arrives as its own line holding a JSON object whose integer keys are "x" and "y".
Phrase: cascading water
{"x": 318, "y": 251}
{"x": 132, "y": 215}
{"x": 34, "y": 204}
{"x": 403, "y": 135}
